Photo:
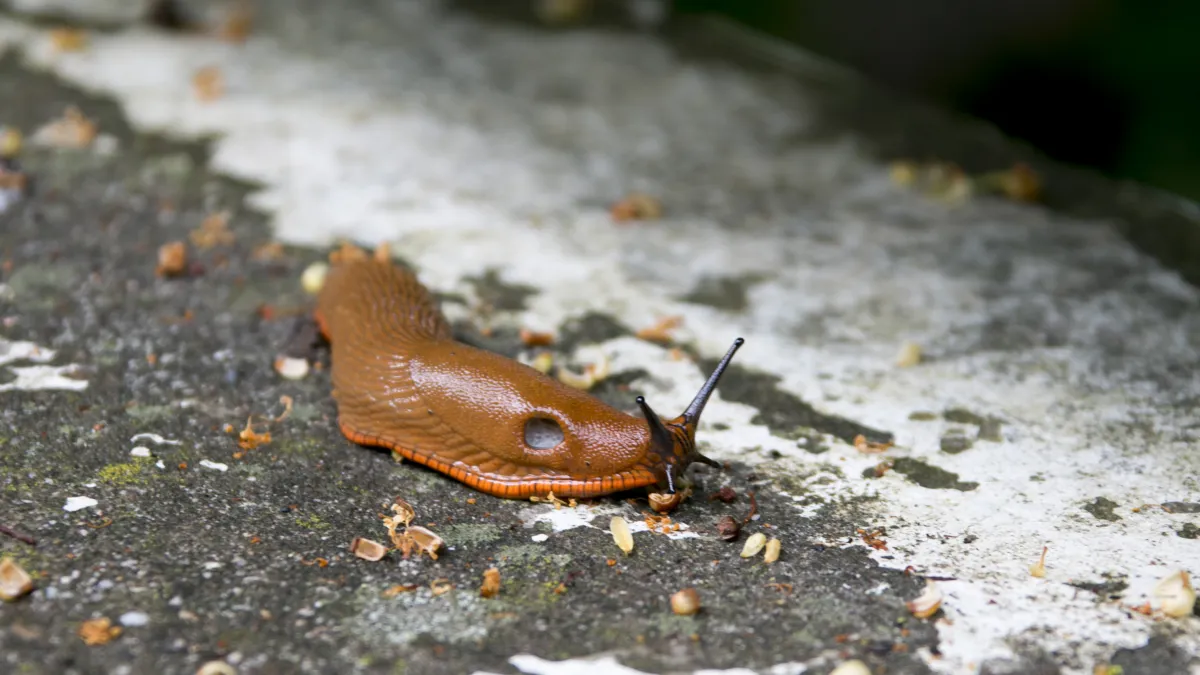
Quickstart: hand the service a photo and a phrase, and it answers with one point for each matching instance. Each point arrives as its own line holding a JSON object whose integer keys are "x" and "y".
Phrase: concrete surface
{"x": 1054, "y": 408}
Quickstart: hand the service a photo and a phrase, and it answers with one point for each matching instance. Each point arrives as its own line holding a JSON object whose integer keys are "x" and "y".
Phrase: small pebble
{"x": 539, "y": 538}
{"x": 140, "y": 451}
{"x": 216, "y": 466}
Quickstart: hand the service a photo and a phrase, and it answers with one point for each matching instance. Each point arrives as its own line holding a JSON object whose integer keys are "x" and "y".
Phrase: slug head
{"x": 673, "y": 442}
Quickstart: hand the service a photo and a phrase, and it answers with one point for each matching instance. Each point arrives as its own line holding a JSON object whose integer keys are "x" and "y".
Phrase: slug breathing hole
{"x": 542, "y": 433}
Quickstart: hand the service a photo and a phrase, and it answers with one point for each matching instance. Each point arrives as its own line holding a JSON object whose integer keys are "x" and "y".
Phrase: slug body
{"x": 402, "y": 382}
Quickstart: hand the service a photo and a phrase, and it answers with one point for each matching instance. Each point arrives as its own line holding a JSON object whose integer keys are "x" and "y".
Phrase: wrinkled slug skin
{"x": 402, "y": 382}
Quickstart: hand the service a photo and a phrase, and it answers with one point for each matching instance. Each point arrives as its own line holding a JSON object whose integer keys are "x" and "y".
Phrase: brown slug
{"x": 402, "y": 382}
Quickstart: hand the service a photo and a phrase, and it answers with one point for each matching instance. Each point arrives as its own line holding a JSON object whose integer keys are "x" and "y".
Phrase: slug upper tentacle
{"x": 402, "y": 382}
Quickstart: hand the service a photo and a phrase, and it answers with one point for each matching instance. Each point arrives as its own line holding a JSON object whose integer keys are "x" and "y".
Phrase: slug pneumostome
{"x": 401, "y": 381}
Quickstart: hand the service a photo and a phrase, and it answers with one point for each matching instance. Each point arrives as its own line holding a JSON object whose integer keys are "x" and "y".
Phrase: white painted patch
{"x": 23, "y": 351}
{"x": 539, "y": 538}
{"x": 134, "y": 619}
{"x": 215, "y": 466}
{"x": 564, "y": 518}
{"x": 42, "y": 378}
{"x": 79, "y": 503}
{"x": 851, "y": 270}
{"x": 608, "y": 665}
{"x": 154, "y": 438}
{"x": 140, "y": 451}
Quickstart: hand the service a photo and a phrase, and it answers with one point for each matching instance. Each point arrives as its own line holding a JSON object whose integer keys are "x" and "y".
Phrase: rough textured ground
{"x": 1056, "y": 396}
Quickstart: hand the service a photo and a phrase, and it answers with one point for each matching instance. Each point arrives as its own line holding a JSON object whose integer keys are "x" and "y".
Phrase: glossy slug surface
{"x": 402, "y": 382}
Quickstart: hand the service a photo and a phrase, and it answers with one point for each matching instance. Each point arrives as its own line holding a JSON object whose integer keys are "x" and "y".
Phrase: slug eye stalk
{"x": 674, "y": 442}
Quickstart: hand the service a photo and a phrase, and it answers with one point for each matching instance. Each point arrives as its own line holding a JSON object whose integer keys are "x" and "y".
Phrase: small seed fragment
{"x": 426, "y": 541}
{"x": 772, "y": 554}
{"x": 368, "y": 549}
{"x": 14, "y": 581}
{"x": 291, "y": 368}
{"x": 728, "y": 528}
{"x": 1038, "y": 569}
{"x": 754, "y": 544}
{"x": 543, "y": 362}
{"x": 491, "y": 583}
{"x": 217, "y": 668}
{"x": 909, "y": 355}
{"x": 313, "y": 277}
{"x": 1175, "y": 595}
{"x": 926, "y": 604}
{"x": 852, "y": 667}
{"x": 621, "y": 534}
{"x": 685, "y": 602}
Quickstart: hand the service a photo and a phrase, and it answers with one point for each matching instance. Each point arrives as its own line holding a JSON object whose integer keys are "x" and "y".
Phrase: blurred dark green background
{"x": 1109, "y": 84}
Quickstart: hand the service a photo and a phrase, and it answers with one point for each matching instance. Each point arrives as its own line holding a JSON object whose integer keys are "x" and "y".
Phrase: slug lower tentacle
{"x": 402, "y": 382}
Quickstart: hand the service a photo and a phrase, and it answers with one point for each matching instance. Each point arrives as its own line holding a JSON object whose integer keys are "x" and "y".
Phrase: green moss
{"x": 312, "y": 522}
{"x": 123, "y": 474}
{"x": 149, "y": 413}
{"x": 470, "y": 534}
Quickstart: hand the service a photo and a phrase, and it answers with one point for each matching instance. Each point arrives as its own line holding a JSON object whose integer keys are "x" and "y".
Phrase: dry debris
{"x": 491, "y": 583}
{"x": 660, "y": 524}
{"x": 398, "y": 589}
{"x": 636, "y": 206}
{"x": 661, "y": 331}
{"x": 726, "y": 495}
{"x": 213, "y": 231}
{"x": 73, "y": 130}
{"x": 440, "y": 586}
{"x": 551, "y": 499}
{"x": 870, "y": 447}
{"x": 728, "y": 528}
{"x": 68, "y": 39}
{"x": 236, "y": 23}
{"x": 531, "y": 338}
{"x": 267, "y": 252}
{"x": 873, "y": 539}
{"x": 14, "y": 581}
{"x": 172, "y": 259}
{"x": 98, "y": 631}
{"x": 413, "y": 537}
{"x": 948, "y": 182}
{"x": 208, "y": 84}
